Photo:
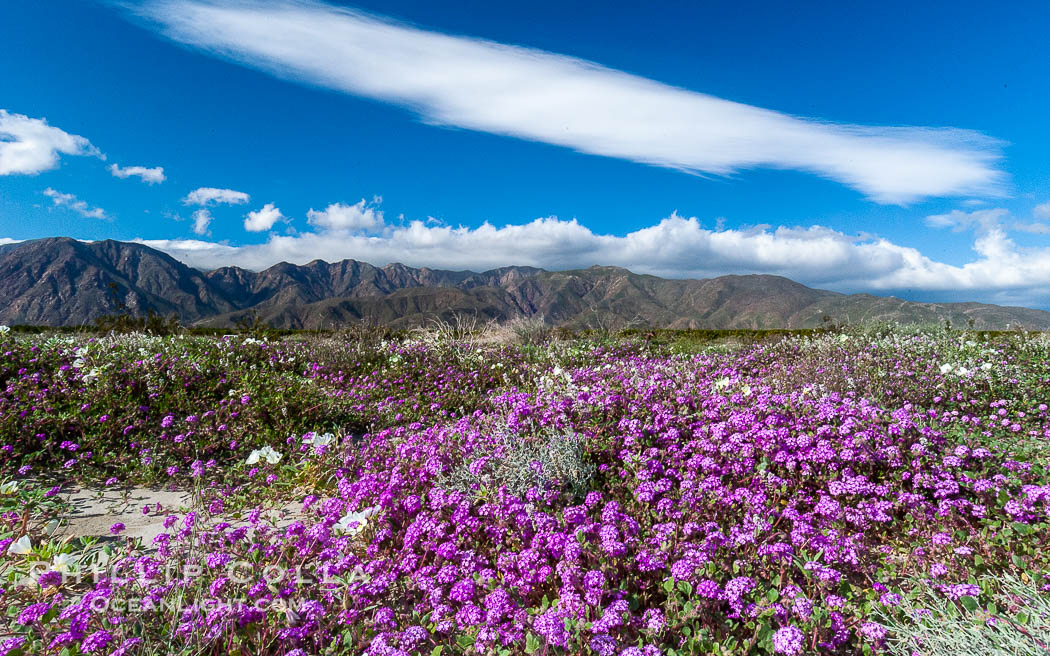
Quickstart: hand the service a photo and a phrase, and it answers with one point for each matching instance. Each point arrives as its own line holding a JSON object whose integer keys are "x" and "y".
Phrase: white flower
{"x": 291, "y": 615}
{"x": 9, "y": 487}
{"x": 318, "y": 440}
{"x": 266, "y": 453}
{"x": 353, "y": 523}
{"x": 962, "y": 371}
{"x": 63, "y": 563}
{"x": 945, "y": 368}
{"x": 986, "y": 366}
{"x": 4, "y": 330}
{"x": 22, "y": 545}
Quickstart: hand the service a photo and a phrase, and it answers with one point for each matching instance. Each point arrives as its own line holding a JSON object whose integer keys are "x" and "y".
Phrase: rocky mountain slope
{"x": 63, "y": 282}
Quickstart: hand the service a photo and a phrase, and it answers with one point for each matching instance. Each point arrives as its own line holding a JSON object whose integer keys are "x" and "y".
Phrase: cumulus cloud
{"x": 1042, "y": 211}
{"x": 60, "y": 199}
{"x": 150, "y": 176}
{"x": 676, "y": 247}
{"x": 339, "y": 216}
{"x": 207, "y": 196}
{"x": 541, "y": 96}
{"x": 201, "y": 220}
{"x": 29, "y": 145}
{"x": 263, "y": 219}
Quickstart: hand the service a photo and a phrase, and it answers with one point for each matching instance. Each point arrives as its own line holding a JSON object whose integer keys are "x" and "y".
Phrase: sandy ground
{"x": 94, "y": 511}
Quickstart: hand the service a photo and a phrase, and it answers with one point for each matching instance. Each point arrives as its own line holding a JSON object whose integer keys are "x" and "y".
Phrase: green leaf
{"x": 686, "y": 587}
{"x": 532, "y": 643}
{"x": 437, "y": 651}
{"x": 669, "y": 586}
{"x": 1023, "y": 529}
{"x": 772, "y": 595}
{"x": 968, "y": 602}
{"x": 765, "y": 632}
{"x": 465, "y": 641}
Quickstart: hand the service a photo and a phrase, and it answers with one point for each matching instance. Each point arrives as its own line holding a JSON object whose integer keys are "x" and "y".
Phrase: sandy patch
{"x": 94, "y": 511}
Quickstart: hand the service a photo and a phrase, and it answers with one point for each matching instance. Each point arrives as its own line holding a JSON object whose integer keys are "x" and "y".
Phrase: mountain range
{"x": 66, "y": 282}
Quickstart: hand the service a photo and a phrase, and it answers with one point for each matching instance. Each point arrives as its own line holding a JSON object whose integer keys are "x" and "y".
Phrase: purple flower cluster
{"x": 722, "y": 491}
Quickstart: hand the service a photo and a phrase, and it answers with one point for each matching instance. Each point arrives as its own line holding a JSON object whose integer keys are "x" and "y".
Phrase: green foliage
{"x": 1014, "y": 620}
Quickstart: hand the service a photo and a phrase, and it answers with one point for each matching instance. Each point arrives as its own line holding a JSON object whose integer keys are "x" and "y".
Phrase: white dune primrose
{"x": 353, "y": 523}
{"x": 318, "y": 439}
{"x": 64, "y": 562}
{"x": 266, "y": 453}
{"x": 21, "y": 546}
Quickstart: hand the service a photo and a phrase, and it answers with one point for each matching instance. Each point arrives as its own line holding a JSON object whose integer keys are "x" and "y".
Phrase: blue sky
{"x": 885, "y": 147}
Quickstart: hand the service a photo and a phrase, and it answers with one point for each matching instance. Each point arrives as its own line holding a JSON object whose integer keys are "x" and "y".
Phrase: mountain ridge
{"x": 60, "y": 281}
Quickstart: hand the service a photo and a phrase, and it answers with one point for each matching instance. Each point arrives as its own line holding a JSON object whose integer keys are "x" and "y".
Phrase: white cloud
{"x": 540, "y": 96}
{"x": 1036, "y": 227}
{"x": 261, "y": 220}
{"x": 206, "y": 196}
{"x": 201, "y": 220}
{"x": 957, "y": 220}
{"x": 30, "y": 145}
{"x": 1042, "y": 211}
{"x": 676, "y": 247}
{"x": 60, "y": 199}
{"x": 339, "y": 216}
{"x": 4, "y": 241}
{"x": 986, "y": 221}
{"x": 148, "y": 175}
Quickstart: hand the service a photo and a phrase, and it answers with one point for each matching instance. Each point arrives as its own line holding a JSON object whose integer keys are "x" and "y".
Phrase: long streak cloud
{"x": 540, "y": 96}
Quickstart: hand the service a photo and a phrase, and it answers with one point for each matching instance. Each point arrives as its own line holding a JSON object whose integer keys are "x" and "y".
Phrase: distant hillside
{"x": 63, "y": 282}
